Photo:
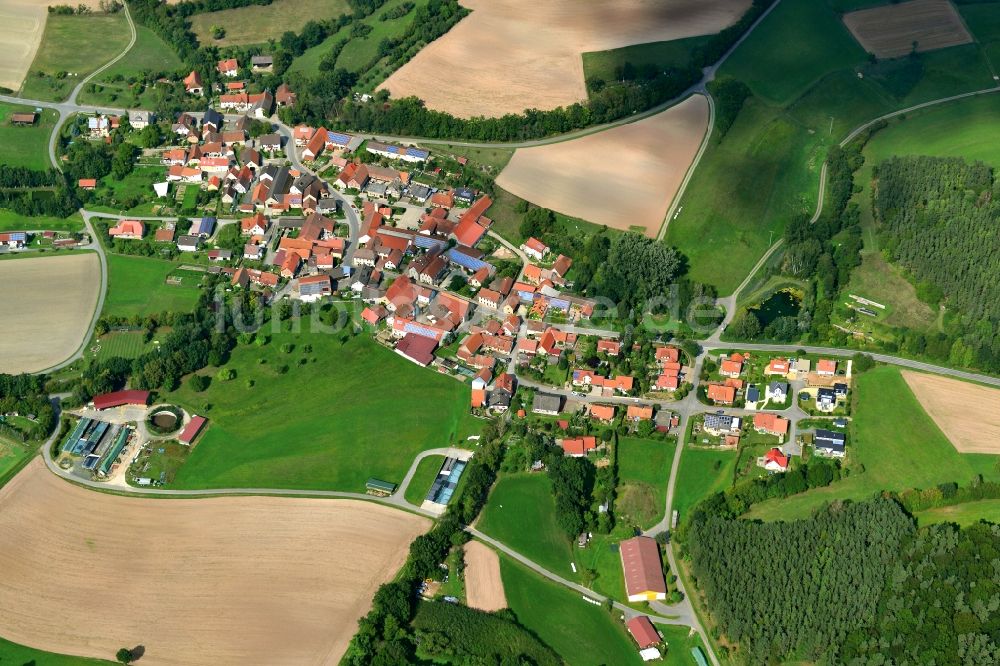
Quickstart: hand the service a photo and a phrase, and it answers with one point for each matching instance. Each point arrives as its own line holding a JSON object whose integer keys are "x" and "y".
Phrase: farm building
{"x": 202, "y": 227}
{"x": 546, "y": 404}
{"x": 643, "y": 631}
{"x": 120, "y": 398}
{"x": 379, "y": 487}
{"x": 192, "y": 429}
{"x": 397, "y": 152}
{"x": 27, "y": 118}
{"x": 643, "y": 572}
{"x": 314, "y": 287}
{"x": 417, "y": 348}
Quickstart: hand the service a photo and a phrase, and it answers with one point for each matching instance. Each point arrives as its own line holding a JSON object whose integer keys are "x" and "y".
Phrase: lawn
{"x": 422, "y": 479}
{"x": 137, "y": 285}
{"x": 521, "y": 513}
{"x": 12, "y": 653}
{"x": 963, "y": 514}
{"x": 579, "y": 631}
{"x": 608, "y": 65}
{"x": 69, "y": 49}
{"x": 702, "y": 473}
{"x": 892, "y": 445}
{"x": 966, "y": 128}
{"x": 125, "y": 344}
{"x": 797, "y": 44}
{"x": 643, "y": 473}
{"x": 11, "y": 221}
{"x": 255, "y": 24}
{"x": 26, "y": 146}
{"x": 328, "y": 417}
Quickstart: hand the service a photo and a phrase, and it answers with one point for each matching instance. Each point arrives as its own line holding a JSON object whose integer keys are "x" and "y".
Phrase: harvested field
{"x": 624, "y": 177}
{"x": 47, "y": 306}
{"x": 968, "y": 414}
{"x": 483, "y": 586}
{"x": 24, "y": 22}
{"x": 493, "y": 62}
{"x": 234, "y": 580}
{"x": 889, "y": 31}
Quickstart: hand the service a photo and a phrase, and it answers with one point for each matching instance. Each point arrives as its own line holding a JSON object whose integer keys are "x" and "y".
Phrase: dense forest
{"x": 796, "y": 590}
{"x": 940, "y": 603}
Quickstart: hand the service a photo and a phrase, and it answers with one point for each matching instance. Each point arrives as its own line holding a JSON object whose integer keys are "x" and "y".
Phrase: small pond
{"x": 783, "y": 303}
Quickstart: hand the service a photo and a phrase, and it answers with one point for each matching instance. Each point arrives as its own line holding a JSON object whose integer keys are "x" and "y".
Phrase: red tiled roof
{"x": 641, "y": 566}
{"x": 643, "y": 631}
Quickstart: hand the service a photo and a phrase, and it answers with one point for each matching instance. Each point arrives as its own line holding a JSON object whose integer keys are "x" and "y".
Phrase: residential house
{"x": 393, "y": 152}
{"x": 732, "y": 366}
{"x": 578, "y": 447}
{"x": 253, "y": 252}
{"x": 609, "y": 347}
{"x": 603, "y": 413}
{"x": 193, "y": 84}
{"x": 826, "y": 367}
{"x": 721, "y": 394}
{"x": 639, "y": 413}
{"x": 14, "y": 239}
{"x": 546, "y": 404}
{"x": 140, "y": 120}
{"x": 229, "y": 67}
{"x": 778, "y": 366}
{"x": 771, "y": 424}
{"x": 188, "y": 243}
{"x": 87, "y": 183}
{"x": 643, "y": 632}
{"x": 314, "y": 287}
{"x": 129, "y": 229}
{"x": 826, "y": 399}
{"x": 717, "y": 423}
{"x": 535, "y": 248}
{"x": 254, "y": 226}
{"x": 829, "y": 443}
{"x": 283, "y": 96}
{"x": 776, "y": 391}
{"x": 774, "y": 461}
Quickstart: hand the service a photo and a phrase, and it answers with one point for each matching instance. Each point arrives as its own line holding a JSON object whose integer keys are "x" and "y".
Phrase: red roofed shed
{"x": 192, "y": 429}
{"x": 643, "y": 631}
{"x": 119, "y": 398}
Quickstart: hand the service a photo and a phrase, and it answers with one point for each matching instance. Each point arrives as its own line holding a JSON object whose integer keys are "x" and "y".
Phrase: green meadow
{"x": 307, "y": 410}
{"x": 26, "y": 146}
{"x": 427, "y": 471}
{"x": 137, "y": 286}
{"x": 643, "y": 473}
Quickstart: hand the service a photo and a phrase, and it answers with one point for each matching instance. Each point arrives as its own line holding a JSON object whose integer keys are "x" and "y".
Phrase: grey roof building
{"x": 545, "y": 403}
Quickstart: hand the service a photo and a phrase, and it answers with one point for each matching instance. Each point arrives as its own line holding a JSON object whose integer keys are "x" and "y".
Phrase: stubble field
{"x": 968, "y": 414}
{"x": 625, "y": 177}
{"x": 236, "y": 580}
{"x": 483, "y": 586}
{"x": 47, "y": 305}
{"x": 512, "y": 55}
{"x": 889, "y": 31}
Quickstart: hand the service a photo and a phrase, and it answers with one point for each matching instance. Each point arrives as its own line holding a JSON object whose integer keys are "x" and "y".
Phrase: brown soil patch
{"x": 968, "y": 414}
{"x": 512, "y": 55}
{"x": 231, "y": 580}
{"x": 47, "y": 305}
{"x": 890, "y": 30}
{"x": 624, "y": 177}
{"x": 24, "y": 23}
{"x": 483, "y": 586}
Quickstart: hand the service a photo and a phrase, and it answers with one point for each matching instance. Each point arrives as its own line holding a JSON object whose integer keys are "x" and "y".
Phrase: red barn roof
{"x": 119, "y": 398}
{"x": 643, "y": 631}
{"x": 192, "y": 429}
{"x": 641, "y": 566}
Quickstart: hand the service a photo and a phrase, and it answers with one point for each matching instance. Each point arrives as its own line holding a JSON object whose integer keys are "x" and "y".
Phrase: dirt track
{"x": 624, "y": 177}
{"x": 483, "y": 585}
{"x": 968, "y": 414}
{"x": 512, "y": 55}
{"x": 47, "y": 304}
{"x": 240, "y": 580}
{"x": 889, "y": 31}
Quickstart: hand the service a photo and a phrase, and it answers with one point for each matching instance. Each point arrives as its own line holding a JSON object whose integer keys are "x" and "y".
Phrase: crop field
{"x": 257, "y": 585}
{"x": 68, "y": 46}
{"x": 625, "y": 177}
{"x": 493, "y": 63}
{"x": 888, "y": 426}
{"x": 137, "y": 285}
{"x": 968, "y": 414}
{"x": 255, "y": 24}
{"x": 483, "y": 586}
{"x": 894, "y": 30}
{"x": 643, "y": 472}
{"x": 24, "y": 22}
{"x": 25, "y": 146}
{"x": 521, "y": 514}
{"x": 580, "y": 632}
{"x": 50, "y": 299}
{"x": 350, "y": 403}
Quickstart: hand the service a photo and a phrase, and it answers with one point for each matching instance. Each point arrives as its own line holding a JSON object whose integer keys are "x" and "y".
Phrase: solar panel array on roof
{"x": 418, "y": 153}
{"x": 338, "y": 138}
{"x": 423, "y": 331}
{"x": 446, "y": 481}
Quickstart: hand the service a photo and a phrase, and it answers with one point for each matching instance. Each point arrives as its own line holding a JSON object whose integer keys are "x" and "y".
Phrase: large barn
{"x": 644, "y": 579}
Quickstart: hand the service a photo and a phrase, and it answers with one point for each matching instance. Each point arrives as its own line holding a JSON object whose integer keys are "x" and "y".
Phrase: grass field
{"x": 25, "y": 146}
{"x": 423, "y": 478}
{"x": 963, "y": 514}
{"x": 521, "y": 514}
{"x": 580, "y": 632}
{"x": 799, "y": 43}
{"x": 12, "y": 653}
{"x": 607, "y": 65}
{"x": 137, "y": 285}
{"x": 702, "y": 472}
{"x": 892, "y": 445}
{"x": 331, "y": 420}
{"x": 12, "y": 457}
{"x": 68, "y": 46}
{"x": 123, "y": 344}
{"x": 11, "y": 221}
{"x": 149, "y": 53}
{"x": 982, "y": 19}
{"x": 494, "y": 158}
{"x": 643, "y": 472}
{"x": 359, "y": 51}
{"x": 255, "y": 24}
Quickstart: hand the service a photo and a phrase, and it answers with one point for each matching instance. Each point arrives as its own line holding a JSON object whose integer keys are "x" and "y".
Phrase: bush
{"x": 198, "y": 383}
